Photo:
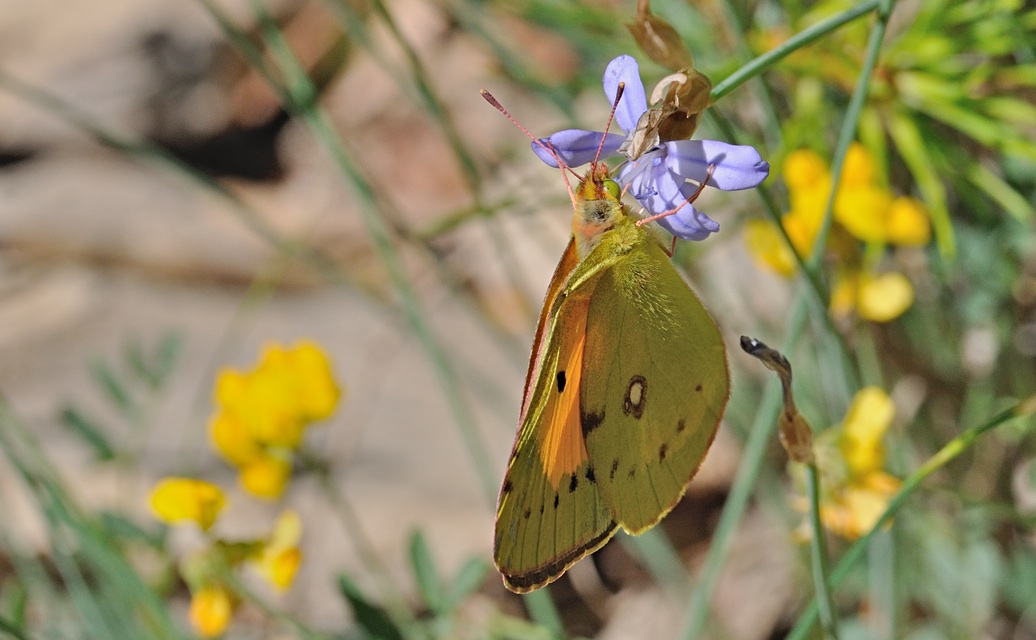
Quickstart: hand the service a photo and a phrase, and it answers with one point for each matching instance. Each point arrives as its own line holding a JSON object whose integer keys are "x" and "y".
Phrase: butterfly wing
{"x": 550, "y": 512}
{"x": 655, "y": 386}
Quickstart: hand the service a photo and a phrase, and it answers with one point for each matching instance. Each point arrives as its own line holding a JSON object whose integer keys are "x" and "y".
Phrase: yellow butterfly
{"x": 626, "y": 386}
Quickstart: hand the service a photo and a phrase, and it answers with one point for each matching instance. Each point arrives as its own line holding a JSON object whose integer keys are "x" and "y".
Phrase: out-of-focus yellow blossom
{"x": 177, "y": 500}
{"x": 858, "y": 506}
{"x": 262, "y": 415}
{"x": 856, "y": 487}
{"x": 908, "y": 222}
{"x": 879, "y": 298}
{"x": 863, "y": 209}
{"x": 211, "y": 609}
{"x": 280, "y": 557}
{"x": 267, "y": 475}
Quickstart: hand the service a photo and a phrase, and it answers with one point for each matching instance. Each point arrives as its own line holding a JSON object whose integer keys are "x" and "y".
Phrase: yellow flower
{"x": 304, "y": 375}
{"x": 863, "y": 210}
{"x": 856, "y": 507}
{"x": 231, "y": 438}
{"x": 862, "y": 206}
{"x": 186, "y": 499}
{"x": 766, "y": 245}
{"x": 280, "y": 558}
{"x": 885, "y": 297}
{"x": 908, "y": 222}
{"x": 211, "y": 608}
{"x": 266, "y": 476}
{"x": 851, "y": 457}
{"x": 859, "y": 169}
{"x": 877, "y": 298}
{"x": 804, "y": 168}
{"x": 868, "y": 418}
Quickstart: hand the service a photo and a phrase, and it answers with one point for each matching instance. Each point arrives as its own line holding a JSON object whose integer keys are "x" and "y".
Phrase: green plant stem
{"x": 391, "y": 593}
{"x": 951, "y": 450}
{"x": 759, "y": 438}
{"x": 801, "y": 39}
{"x": 818, "y": 554}
{"x": 849, "y": 124}
{"x": 301, "y": 94}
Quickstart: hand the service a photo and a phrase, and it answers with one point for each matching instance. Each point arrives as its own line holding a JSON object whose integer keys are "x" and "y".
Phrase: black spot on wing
{"x": 528, "y": 512}
{"x": 557, "y": 500}
{"x": 561, "y": 381}
{"x": 573, "y": 483}
{"x": 615, "y": 467}
{"x": 681, "y": 425}
{"x": 698, "y": 388}
{"x": 507, "y": 486}
{"x": 590, "y": 421}
{"x": 590, "y": 477}
{"x": 662, "y": 451}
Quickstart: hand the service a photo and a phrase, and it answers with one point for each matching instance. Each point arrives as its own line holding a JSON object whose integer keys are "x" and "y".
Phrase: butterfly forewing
{"x": 550, "y": 512}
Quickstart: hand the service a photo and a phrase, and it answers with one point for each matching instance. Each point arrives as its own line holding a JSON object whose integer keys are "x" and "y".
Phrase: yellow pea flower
{"x": 177, "y": 500}
{"x": 859, "y": 168}
{"x": 851, "y": 456}
{"x": 266, "y": 476}
{"x": 231, "y": 438}
{"x": 767, "y": 247}
{"x": 885, "y": 297}
{"x": 868, "y": 418}
{"x": 908, "y": 222}
{"x": 862, "y": 210}
{"x": 857, "y": 506}
{"x": 877, "y": 298}
{"x": 318, "y": 394}
{"x": 210, "y": 611}
{"x": 804, "y": 168}
{"x": 280, "y": 558}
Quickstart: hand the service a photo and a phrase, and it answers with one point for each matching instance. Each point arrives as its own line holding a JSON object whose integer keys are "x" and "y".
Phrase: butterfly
{"x": 626, "y": 385}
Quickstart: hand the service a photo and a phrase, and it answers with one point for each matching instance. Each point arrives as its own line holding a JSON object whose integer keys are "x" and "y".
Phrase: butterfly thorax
{"x": 597, "y": 209}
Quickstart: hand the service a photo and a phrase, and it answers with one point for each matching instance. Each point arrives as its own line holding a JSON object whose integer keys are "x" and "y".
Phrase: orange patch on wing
{"x": 562, "y": 448}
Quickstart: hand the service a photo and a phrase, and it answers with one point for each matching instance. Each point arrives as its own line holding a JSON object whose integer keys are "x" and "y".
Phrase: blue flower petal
{"x": 576, "y": 146}
{"x": 687, "y": 223}
{"x": 737, "y": 166}
{"x": 634, "y": 100}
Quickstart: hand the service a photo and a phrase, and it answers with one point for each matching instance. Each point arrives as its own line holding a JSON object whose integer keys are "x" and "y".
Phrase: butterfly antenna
{"x": 689, "y": 199}
{"x": 565, "y": 169}
{"x": 608, "y": 125}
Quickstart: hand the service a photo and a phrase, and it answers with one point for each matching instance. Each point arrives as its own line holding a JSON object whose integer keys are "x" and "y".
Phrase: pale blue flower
{"x": 658, "y": 179}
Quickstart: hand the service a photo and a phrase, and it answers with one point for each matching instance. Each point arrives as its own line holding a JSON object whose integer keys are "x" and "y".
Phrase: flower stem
{"x": 801, "y": 39}
{"x": 818, "y": 554}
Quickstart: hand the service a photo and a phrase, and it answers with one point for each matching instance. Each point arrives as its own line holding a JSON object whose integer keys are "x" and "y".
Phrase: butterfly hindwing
{"x": 658, "y": 386}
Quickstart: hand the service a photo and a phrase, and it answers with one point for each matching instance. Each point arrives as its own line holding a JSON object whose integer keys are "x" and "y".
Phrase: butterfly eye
{"x": 612, "y": 187}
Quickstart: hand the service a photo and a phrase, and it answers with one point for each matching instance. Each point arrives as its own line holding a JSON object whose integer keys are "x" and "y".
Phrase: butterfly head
{"x": 596, "y": 207}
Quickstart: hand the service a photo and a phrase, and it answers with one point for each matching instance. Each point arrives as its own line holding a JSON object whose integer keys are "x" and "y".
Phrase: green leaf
{"x": 167, "y": 355}
{"x": 425, "y": 573}
{"x": 371, "y": 618}
{"x": 111, "y": 385}
{"x": 155, "y": 367}
{"x": 470, "y": 577}
{"x": 118, "y": 527}
{"x": 88, "y": 431}
{"x": 1014, "y": 203}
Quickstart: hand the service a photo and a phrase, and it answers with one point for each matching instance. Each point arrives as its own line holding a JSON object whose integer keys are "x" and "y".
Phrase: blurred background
{"x": 184, "y": 183}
